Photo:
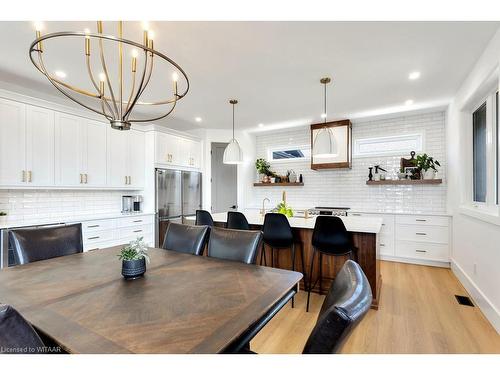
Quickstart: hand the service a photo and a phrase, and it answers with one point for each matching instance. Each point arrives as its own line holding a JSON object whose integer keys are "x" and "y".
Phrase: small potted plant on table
{"x": 264, "y": 171}
{"x": 427, "y": 166}
{"x": 134, "y": 257}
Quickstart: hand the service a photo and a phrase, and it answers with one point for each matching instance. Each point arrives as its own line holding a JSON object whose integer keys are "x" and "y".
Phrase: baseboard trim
{"x": 422, "y": 262}
{"x": 484, "y": 304}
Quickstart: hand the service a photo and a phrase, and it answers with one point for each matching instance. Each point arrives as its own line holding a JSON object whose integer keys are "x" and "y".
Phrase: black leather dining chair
{"x": 345, "y": 305}
{"x": 277, "y": 234}
{"x": 347, "y": 302}
{"x": 185, "y": 238}
{"x": 31, "y": 245}
{"x": 330, "y": 238}
{"x": 204, "y": 218}
{"x": 232, "y": 244}
{"x": 236, "y": 220}
{"x": 17, "y": 336}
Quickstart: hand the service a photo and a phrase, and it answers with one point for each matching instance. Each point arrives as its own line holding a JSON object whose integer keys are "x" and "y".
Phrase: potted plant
{"x": 402, "y": 174}
{"x": 263, "y": 169}
{"x": 2, "y": 215}
{"x": 134, "y": 257}
{"x": 427, "y": 166}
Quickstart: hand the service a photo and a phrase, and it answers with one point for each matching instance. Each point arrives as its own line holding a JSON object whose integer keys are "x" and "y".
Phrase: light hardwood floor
{"x": 418, "y": 314}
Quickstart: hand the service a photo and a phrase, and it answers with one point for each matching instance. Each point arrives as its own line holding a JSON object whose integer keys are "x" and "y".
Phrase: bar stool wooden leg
{"x": 293, "y": 269}
{"x": 310, "y": 280}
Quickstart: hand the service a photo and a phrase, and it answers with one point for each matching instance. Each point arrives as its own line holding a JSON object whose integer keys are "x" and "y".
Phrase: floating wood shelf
{"x": 406, "y": 182}
{"x": 278, "y": 184}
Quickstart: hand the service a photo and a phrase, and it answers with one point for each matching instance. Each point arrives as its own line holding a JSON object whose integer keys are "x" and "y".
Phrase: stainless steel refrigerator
{"x": 178, "y": 194}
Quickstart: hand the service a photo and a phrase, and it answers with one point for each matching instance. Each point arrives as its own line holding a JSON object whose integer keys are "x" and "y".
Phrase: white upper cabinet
{"x": 69, "y": 145}
{"x": 95, "y": 154}
{"x": 126, "y": 158}
{"x": 177, "y": 151}
{"x": 40, "y": 146}
{"x": 12, "y": 143}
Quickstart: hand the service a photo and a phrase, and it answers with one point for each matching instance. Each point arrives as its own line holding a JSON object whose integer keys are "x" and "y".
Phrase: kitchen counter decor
{"x": 134, "y": 257}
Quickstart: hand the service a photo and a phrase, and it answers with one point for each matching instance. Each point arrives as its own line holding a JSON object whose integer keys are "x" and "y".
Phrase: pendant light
{"x": 232, "y": 153}
{"x": 325, "y": 144}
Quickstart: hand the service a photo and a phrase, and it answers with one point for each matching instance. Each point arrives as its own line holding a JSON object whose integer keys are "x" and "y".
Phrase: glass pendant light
{"x": 232, "y": 153}
{"x": 325, "y": 144}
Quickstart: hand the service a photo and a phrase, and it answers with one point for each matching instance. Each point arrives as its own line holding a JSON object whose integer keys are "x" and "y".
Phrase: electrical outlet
{"x": 474, "y": 269}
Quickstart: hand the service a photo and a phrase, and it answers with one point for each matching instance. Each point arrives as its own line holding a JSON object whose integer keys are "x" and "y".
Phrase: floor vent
{"x": 464, "y": 300}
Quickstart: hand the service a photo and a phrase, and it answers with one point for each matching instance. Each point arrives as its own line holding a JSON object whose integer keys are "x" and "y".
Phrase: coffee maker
{"x": 131, "y": 204}
{"x": 137, "y": 203}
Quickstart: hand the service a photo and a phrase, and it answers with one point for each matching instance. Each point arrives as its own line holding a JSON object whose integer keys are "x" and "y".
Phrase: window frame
{"x": 302, "y": 147}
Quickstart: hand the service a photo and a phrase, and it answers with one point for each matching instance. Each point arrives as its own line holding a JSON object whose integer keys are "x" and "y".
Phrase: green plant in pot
{"x": 283, "y": 208}
{"x": 427, "y": 166}
{"x": 263, "y": 168}
{"x": 134, "y": 257}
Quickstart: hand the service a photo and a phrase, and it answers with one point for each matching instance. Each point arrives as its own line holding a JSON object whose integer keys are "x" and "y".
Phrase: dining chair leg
{"x": 310, "y": 280}
{"x": 293, "y": 269}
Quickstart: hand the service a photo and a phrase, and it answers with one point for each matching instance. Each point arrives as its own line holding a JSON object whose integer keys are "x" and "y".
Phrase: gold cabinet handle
{"x": 81, "y": 178}
{"x": 23, "y": 178}
{"x": 86, "y": 178}
{"x": 126, "y": 180}
{"x": 130, "y": 180}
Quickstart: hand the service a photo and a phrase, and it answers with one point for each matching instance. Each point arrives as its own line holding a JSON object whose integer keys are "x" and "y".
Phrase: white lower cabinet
{"x": 420, "y": 239}
{"x": 99, "y": 234}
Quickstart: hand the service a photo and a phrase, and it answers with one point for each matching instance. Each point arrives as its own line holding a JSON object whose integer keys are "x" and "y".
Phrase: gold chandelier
{"x": 106, "y": 96}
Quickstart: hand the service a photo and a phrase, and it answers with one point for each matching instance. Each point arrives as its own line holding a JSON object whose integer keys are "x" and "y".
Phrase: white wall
{"x": 476, "y": 250}
{"x": 245, "y": 172}
{"x": 347, "y": 187}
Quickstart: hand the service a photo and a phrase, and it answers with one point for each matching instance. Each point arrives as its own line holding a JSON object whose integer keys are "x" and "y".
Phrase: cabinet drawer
{"x": 137, "y": 231}
{"x": 422, "y": 233}
{"x": 99, "y": 236}
{"x": 386, "y": 244}
{"x": 422, "y": 250}
{"x": 97, "y": 225}
{"x": 423, "y": 220}
{"x": 387, "y": 220}
{"x": 134, "y": 221}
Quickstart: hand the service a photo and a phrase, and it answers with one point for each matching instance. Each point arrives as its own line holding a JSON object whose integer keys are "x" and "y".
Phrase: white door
{"x": 95, "y": 159}
{"x": 40, "y": 125}
{"x": 117, "y": 157}
{"x": 69, "y": 150}
{"x": 137, "y": 158}
{"x": 12, "y": 143}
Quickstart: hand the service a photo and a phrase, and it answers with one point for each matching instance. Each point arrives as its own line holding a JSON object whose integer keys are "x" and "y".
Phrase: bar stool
{"x": 236, "y": 220}
{"x": 329, "y": 238}
{"x": 204, "y": 218}
{"x": 277, "y": 234}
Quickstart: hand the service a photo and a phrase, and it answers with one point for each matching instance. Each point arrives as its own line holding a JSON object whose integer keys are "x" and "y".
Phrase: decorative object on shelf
{"x": 292, "y": 176}
{"x": 273, "y": 180}
{"x": 402, "y": 174}
{"x": 2, "y": 215}
{"x": 370, "y": 173}
{"x": 232, "y": 153}
{"x": 301, "y": 179}
{"x": 435, "y": 181}
{"x": 278, "y": 184}
{"x": 283, "y": 208}
{"x": 379, "y": 176}
{"x": 108, "y": 97}
{"x": 263, "y": 168}
{"x": 134, "y": 257}
{"x": 408, "y": 165}
{"x": 427, "y": 166}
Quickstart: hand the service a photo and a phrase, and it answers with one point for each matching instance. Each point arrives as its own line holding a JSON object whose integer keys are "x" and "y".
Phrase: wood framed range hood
{"x": 342, "y": 131}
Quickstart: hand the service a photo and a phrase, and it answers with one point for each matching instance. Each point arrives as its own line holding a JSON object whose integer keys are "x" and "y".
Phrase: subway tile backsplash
{"x": 27, "y": 205}
{"x": 347, "y": 188}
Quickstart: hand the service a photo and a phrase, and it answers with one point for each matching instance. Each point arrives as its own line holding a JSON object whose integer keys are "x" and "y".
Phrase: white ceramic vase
{"x": 429, "y": 174}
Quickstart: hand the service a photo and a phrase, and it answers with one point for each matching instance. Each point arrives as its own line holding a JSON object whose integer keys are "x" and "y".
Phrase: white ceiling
{"x": 273, "y": 68}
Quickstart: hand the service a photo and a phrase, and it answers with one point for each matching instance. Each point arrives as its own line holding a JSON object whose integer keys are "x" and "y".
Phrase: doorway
{"x": 224, "y": 181}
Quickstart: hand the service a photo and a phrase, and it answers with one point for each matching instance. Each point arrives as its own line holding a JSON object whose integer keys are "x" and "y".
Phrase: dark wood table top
{"x": 184, "y": 304}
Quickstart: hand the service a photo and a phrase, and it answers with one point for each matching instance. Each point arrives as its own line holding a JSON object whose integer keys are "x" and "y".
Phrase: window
{"x": 289, "y": 153}
{"x": 479, "y": 154}
{"x": 391, "y": 145}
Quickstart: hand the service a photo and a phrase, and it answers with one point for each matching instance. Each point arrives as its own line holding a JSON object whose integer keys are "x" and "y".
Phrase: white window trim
{"x": 270, "y": 151}
{"x": 418, "y": 137}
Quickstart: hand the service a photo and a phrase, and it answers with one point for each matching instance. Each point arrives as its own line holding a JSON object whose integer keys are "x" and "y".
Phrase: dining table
{"x": 183, "y": 304}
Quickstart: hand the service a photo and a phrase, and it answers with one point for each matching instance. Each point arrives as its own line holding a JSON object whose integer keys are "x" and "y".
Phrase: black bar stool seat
{"x": 236, "y": 220}
{"x": 330, "y": 238}
{"x": 277, "y": 234}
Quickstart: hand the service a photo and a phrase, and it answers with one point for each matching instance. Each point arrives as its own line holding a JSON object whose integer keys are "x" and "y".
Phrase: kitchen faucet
{"x": 263, "y": 211}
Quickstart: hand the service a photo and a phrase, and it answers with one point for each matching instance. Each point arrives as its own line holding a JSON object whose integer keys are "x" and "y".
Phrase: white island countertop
{"x": 352, "y": 223}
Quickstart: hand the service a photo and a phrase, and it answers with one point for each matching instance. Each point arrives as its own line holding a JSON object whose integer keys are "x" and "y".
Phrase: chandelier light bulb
{"x": 151, "y": 34}
{"x": 145, "y": 25}
{"x": 102, "y": 77}
{"x": 86, "y": 30}
{"x": 175, "y": 76}
{"x": 38, "y": 25}
{"x": 323, "y": 115}
{"x": 135, "y": 53}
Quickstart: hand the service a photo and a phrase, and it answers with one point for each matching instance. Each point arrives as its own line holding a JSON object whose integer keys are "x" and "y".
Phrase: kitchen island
{"x": 365, "y": 236}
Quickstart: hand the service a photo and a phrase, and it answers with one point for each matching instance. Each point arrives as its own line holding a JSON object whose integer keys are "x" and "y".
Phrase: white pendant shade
{"x": 232, "y": 153}
{"x": 325, "y": 145}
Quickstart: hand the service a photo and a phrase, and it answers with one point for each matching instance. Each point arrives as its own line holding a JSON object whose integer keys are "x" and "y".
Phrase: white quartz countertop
{"x": 352, "y": 224}
{"x": 6, "y": 223}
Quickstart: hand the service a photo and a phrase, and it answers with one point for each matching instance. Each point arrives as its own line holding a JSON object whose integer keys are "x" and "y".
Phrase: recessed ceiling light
{"x": 323, "y": 115}
{"x": 60, "y": 74}
{"x": 261, "y": 125}
{"x": 409, "y": 102}
{"x": 197, "y": 119}
{"x": 414, "y": 75}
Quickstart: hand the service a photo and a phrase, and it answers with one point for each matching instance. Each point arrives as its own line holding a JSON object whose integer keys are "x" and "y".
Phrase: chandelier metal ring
{"x": 119, "y": 118}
